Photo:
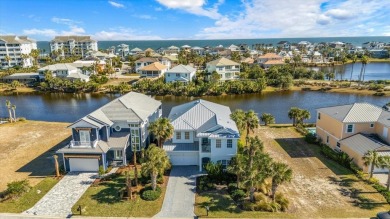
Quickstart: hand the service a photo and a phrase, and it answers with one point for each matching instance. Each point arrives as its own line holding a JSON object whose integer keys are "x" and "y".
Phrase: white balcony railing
{"x": 91, "y": 144}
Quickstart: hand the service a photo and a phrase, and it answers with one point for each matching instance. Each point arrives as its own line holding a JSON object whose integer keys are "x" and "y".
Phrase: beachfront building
{"x": 67, "y": 46}
{"x": 136, "y": 51}
{"x": 123, "y": 50}
{"x": 63, "y": 70}
{"x": 15, "y": 51}
{"x": 24, "y": 78}
{"x": 226, "y": 68}
{"x": 180, "y": 73}
{"x": 172, "y": 50}
{"x": 203, "y": 132}
{"x": 142, "y": 62}
{"x": 355, "y": 129}
{"x": 108, "y": 135}
{"x": 154, "y": 70}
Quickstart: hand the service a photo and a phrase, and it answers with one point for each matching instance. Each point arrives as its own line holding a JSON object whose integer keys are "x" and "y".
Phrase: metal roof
{"x": 181, "y": 69}
{"x": 222, "y": 62}
{"x": 169, "y": 146}
{"x": 202, "y": 116}
{"x": 100, "y": 148}
{"x": 361, "y": 144}
{"x": 357, "y": 112}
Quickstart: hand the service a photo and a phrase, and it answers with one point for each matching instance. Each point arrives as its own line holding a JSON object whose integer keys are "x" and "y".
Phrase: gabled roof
{"x": 131, "y": 107}
{"x": 75, "y": 38}
{"x": 136, "y": 50}
{"x": 357, "y": 112}
{"x": 203, "y": 117}
{"x": 361, "y": 144}
{"x": 59, "y": 66}
{"x": 173, "y": 48}
{"x": 146, "y": 59}
{"x": 156, "y": 66}
{"x": 270, "y": 55}
{"x": 16, "y": 39}
{"x": 274, "y": 62}
{"x": 181, "y": 69}
{"x": 77, "y": 75}
{"x": 222, "y": 62}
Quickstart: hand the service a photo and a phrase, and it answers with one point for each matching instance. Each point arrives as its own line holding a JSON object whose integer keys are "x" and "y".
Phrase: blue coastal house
{"x": 107, "y": 135}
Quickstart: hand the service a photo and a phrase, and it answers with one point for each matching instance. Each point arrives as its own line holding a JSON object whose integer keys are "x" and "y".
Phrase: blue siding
{"x": 76, "y": 134}
{"x": 103, "y": 134}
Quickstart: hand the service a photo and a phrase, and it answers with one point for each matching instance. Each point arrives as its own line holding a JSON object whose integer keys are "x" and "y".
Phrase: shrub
{"x": 311, "y": 138}
{"x": 17, "y": 188}
{"x": 282, "y": 201}
{"x": 149, "y": 195}
{"x": 379, "y": 94}
{"x": 238, "y": 195}
{"x": 232, "y": 187}
{"x": 160, "y": 180}
{"x": 21, "y": 119}
{"x": 265, "y": 187}
{"x": 204, "y": 184}
{"x": 215, "y": 171}
{"x": 249, "y": 206}
{"x": 260, "y": 197}
{"x": 263, "y": 205}
{"x": 101, "y": 170}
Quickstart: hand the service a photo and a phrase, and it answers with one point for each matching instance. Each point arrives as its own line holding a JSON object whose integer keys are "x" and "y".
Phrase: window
{"x": 338, "y": 144}
{"x": 178, "y": 135}
{"x": 135, "y": 139}
{"x": 169, "y": 75}
{"x": 224, "y": 163}
{"x": 372, "y": 125}
{"x": 218, "y": 143}
{"x": 118, "y": 154}
{"x": 177, "y": 75}
{"x": 117, "y": 128}
{"x": 229, "y": 143}
{"x": 350, "y": 128}
{"x": 84, "y": 136}
{"x": 186, "y": 135}
{"x": 327, "y": 139}
{"x": 319, "y": 116}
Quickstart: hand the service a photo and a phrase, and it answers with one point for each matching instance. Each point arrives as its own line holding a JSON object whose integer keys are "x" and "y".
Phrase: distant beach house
{"x": 64, "y": 70}
{"x": 153, "y": 70}
{"x": 270, "y": 59}
{"x": 180, "y": 73}
{"x": 107, "y": 135}
{"x": 203, "y": 132}
{"x": 142, "y": 62}
{"x": 226, "y": 68}
{"x": 123, "y": 50}
{"x": 355, "y": 129}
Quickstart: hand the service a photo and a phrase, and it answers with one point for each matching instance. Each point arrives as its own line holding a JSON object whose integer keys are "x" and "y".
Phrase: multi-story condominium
{"x": 226, "y": 68}
{"x": 203, "y": 132}
{"x": 180, "y": 73}
{"x": 15, "y": 50}
{"x": 108, "y": 135}
{"x": 67, "y": 46}
{"x": 355, "y": 129}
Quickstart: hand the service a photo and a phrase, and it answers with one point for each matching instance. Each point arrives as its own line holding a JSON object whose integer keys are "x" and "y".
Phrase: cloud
{"x": 194, "y": 7}
{"x": 158, "y": 9}
{"x": 124, "y": 34}
{"x": 73, "y": 29}
{"x": 65, "y": 21}
{"x": 299, "y": 18}
{"x": 41, "y": 32}
{"x": 116, "y": 5}
{"x": 145, "y": 16}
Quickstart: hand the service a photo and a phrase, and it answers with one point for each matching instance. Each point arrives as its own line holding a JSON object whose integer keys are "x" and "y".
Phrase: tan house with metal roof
{"x": 226, "y": 68}
{"x": 155, "y": 69}
{"x": 355, "y": 129}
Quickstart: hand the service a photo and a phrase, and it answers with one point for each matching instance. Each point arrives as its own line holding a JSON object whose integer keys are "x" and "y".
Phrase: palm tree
{"x": 245, "y": 121}
{"x": 156, "y": 163}
{"x": 56, "y": 165}
{"x": 8, "y": 105}
{"x": 280, "y": 173}
{"x": 354, "y": 59}
{"x": 162, "y": 129}
{"x": 238, "y": 117}
{"x": 8, "y": 59}
{"x": 294, "y": 114}
{"x": 372, "y": 158}
{"x": 267, "y": 118}
{"x": 237, "y": 166}
{"x": 128, "y": 185}
{"x": 365, "y": 61}
{"x": 135, "y": 165}
{"x": 13, "y": 109}
{"x": 303, "y": 114}
{"x": 385, "y": 163}
{"x": 35, "y": 54}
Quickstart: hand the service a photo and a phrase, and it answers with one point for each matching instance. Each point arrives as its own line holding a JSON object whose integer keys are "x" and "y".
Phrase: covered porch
{"x": 118, "y": 144}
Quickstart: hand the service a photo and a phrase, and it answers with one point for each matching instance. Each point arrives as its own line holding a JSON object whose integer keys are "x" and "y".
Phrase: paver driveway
{"x": 60, "y": 199}
{"x": 179, "y": 198}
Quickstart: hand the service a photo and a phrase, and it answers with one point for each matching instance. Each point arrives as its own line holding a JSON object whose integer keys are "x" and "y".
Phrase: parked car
{"x": 383, "y": 215}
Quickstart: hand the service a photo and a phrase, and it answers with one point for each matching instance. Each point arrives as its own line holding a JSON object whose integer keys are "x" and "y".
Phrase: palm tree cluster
{"x": 372, "y": 159}
{"x": 298, "y": 115}
{"x": 162, "y": 130}
{"x": 11, "y": 111}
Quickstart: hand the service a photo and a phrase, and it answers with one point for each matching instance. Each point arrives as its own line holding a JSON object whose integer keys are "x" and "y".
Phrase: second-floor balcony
{"x": 91, "y": 144}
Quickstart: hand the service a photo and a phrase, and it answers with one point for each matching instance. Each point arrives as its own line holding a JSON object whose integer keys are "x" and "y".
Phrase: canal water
{"x": 70, "y": 107}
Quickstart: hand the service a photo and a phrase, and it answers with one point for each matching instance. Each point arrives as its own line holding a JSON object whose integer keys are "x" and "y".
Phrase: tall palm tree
{"x": 162, "y": 129}
{"x": 303, "y": 114}
{"x": 8, "y": 59}
{"x": 385, "y": 163}
{"x": 281, "y": 173}
{"x": 251, "y": 121}
{"x": 237, "y": 166}
{"x": 267, "y": 118}
{"x": 294, "y": 114}
{"x": 8, "y": 105}
{"x": 35, "y": 54}
{"x": 255, "y": 146}
{"x": 365, "y": 61}
{"x": 238, "y": 116}
{"x": 135, "y": 165}
{"x": 13, "y": 109}
{"x": 354, "y": 59}
{"x": 128, "y": 185}
{"x": 156, "y": 163}
{"x": 372, "y": 158}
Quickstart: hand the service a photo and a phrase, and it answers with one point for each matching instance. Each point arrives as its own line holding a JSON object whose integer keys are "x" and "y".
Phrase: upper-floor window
{"x": 338, "y": 144}
{"x": 372, "y": 125}
{"x": 177, "y": 74}
{"x": 218, "y": 143}
{"x": 327, "y": 139}
{"x": 229, "y": 143}
{"x": 178, "y": 135}
{"x": 350, "y": 128}
{"x": 319, "y": 116}
{"x": 187, "y": 135}
{"x": 84, "y": 136}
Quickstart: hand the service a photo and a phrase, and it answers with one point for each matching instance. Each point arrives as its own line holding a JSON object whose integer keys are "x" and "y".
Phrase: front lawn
{"x": 104, "y": 200}
{"x": 28, "y": 200}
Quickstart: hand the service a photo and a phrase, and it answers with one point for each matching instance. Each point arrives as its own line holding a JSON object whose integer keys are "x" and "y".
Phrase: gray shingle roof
{"x": 361, "y": 144}
{"x": 357, "y": 112}
{"x": 16, "y": 39}
{"x": 181, "y": 69}
{"x": 59, "y": 66}
{"x": 75, "y": 38}
{"x": 202, "y": 116}
{"x": 118, "y": 140}
{"x": 222, "y": 62}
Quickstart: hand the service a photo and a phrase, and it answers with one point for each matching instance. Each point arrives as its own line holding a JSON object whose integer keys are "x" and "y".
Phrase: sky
{"x": 194, "y": 19}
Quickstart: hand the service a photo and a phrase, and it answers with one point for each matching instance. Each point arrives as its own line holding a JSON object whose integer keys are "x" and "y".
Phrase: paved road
{"x": 179, "y": 198}
{"x": 61, "y": 198}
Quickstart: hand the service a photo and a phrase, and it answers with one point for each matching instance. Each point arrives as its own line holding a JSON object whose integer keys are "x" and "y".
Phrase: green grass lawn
{"x": 29, "y": 199}
{"x": 103, "y": 200}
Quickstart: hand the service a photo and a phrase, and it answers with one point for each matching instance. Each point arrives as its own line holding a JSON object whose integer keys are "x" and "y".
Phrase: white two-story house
{"x": 180, "y": 73}
{"x": 226, "y": 68}
{"x": 203, "y": 132}
{"x": 67, "y": 71}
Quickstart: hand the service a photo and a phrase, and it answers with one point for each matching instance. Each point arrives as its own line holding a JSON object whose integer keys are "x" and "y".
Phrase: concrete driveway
{"x": 61, "y": 198}
{"x": 179, "y": 198}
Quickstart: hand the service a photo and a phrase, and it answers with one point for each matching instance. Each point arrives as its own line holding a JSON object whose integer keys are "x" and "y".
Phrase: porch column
{"x": 200, "y": 157}
{"x": 124, "y": 157}
{"x": 104, "y": 161}
{"x": 63, "y": 159}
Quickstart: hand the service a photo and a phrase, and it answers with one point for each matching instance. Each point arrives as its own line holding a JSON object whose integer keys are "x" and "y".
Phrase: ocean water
{"x": 155, "y": 44}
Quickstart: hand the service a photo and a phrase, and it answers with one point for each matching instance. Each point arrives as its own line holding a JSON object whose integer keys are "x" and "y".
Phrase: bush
{"x": 311, "y": 138}
{"x": 21, "y": 119}
{"x": 149, "y": 195}
{"x": 101, "y": 170}
{"x": 17, "y": 188}
{"x": 215, "y": 171}
{"x": 282, "y": 201}
{"x": 238, "y": 195}
{"x": 260, "y": 197}
{"x": 232, "y": 187}
{"x": 249, "y": 206}
{"x": 205, "y": 184}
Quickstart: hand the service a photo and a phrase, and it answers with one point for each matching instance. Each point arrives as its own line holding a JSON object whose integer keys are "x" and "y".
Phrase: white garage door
{"x": 183, "y": 159}
{"x": 84, "y": 164}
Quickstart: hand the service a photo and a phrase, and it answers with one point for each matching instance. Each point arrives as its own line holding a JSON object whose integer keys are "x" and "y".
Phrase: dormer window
{"x": 117, "y": 128}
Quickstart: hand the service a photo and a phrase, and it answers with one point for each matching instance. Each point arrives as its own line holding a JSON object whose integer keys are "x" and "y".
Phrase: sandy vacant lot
{"x": 26, "y": 150}
{"x": 320, "y": 187}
